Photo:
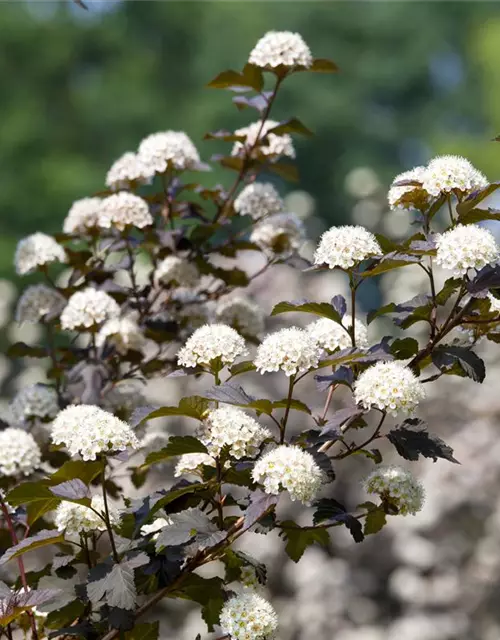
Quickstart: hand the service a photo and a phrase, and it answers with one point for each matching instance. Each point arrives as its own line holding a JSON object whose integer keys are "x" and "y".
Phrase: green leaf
{"x": 227, "y": 79}
{"x": 191, "y": 406}
{"x": 285, "y": 170}
{"x": 298, "y": 539}
{"x": 253, "y": 77}
{"x": 117, "y": 587}
{"x": 84, "y": 471}
{"x": 177, "y": 446}
{"x": 65, "y": 616}
{"x": 294, "y": 125}
{"x": 374, "y": 521}
{"x": 403, "y": 348}
{"x": 450, "y": 286}
{"x": 322, "y": 309}
{"x": 446, "y": 356}
{"x": 174, "y": 494}
{"x": 411, "y": 440}
{"x": 23, "y": 350}
{"x": 29, "y": 492}
{"x": 241, "y": 367}
{"x": 36, "y": 510}
{"x": 322, "y": 65}
{"x": 376, "y": 313}
{"x": 469, "y": 203}
{"x": 384, "y": 265}
{"x": 294, "y": 404}
{"x": 41, "y": 539}
{"x": 233, "y": 394}
{"x": 478, "y": 215}
{"x": 144, "y": 631}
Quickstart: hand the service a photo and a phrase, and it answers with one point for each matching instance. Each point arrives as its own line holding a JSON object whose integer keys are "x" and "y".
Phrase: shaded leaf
{"x": 177, "y": 446}
{"x": 411, "y": 439}
{"x": 242, "y": 367}
{"x": 374, "y": 521}
{"x": 183, "y": 527}
{"x": 41, "y": 539}
{"x": 260, "y": 503}
{"x": 322, "y": 65}
{"x": 294, "y": 404}
{"x": 144, "y": 631}
{"x": 71, "y": 489}
{"x": 293, "y": 125}
{"x": 322, "y": 309}
{"x": 445, "y": 357}
{"x": 339, "y": 304}
{"x": 298, "y": 538}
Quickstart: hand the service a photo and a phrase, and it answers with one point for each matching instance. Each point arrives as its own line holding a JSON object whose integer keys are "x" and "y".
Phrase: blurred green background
{"x": 81, "y": 87}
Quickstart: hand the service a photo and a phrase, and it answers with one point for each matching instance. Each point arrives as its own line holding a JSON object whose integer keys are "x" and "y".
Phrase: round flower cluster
{"x": 258, "y": 200}
{"x": 77, "y": 518}
{"x": 174, "y": 148}
{"x": 177, "y": 271}
{"x": 19, "y": 453}
{"x": 445, "y": 174}
{"x": 155, "y": 527}
{"x": 36, "y": 401}
{"x": 280, "y": 234}
{"x": 408, "y": 196}
{"x": 122, "y": 210}
{"x": 232, "y": 427}
{"x": 466, "y": 247}
{"x": 122, "y": 333}
{"x": 242, "y": 314}
{"x": 330, "y": 335}
{"x": 397, "y": 485}
{"x": 260, "y": 141}
{"x": 248, "y": 616}
{"x": 345, "y": 247}
{"x": 210, "y": 342}
{"x": 290, "y": 468}
{"x": 82, "y": 216}
{"x": 36, "y": 251}
{"x": 192, "y": 463}
{"x": 126, "y": 171}
{"x": 281, "y": 48}
{"x": 39, "y": 302}
{"x": 389, "y": 386}
{"x": 88, "y": 308}
{"x": 292, "y": 350}
{"x": 88, "y": 430}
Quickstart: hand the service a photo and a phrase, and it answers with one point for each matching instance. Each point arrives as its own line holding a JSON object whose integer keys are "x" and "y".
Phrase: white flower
{"x": 192, "y": 463}
{"x": 247, "y": 616}
{"x": 290, "y": 468}
{"x": 281, "y": 48}
{"x": 466, "y": 247}
{"x": 415, "y": 197}
{"x": 173, "y": 148}
{"x": 127, "y": 170}
{"x": 177, "y": 271}
{"x": 242, "y": 314}
{"x": 231, "y": 427}
{"x": 258, "y": 200}
{"x": 280, "y": 234}
{"x": 445, "y": 174}
{"x": 330, "y": 335}
{"x": 389, "y": 386}
{"x": 260, "y": 141}
{"x": 122, "y": 210}
{"x": 494, "y": 303}
{"x": 154, "y": 441}
{"x": 36, "y": 401}
{"x": 210, "y": 342}
{"x": 82, "y": 216}
{"x": 19, "y": 453}
{"x": 345, "y": 247}
{"x": 155, "y": 527}
{"x": 36, "y": 251}
{"x": 76, "y": 518}
{"x": 39, "y": 302}
{"x": 89, "y": 308}
{"x": 122, "y": 333}
{"x": 88, "y": 430}
{"x": 292, "y": 350}
{"x": 397, "y": 485}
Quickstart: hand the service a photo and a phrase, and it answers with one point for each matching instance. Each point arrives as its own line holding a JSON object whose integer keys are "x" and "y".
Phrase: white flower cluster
{"x": 290, "y": 468}
{"x": 466, "y": 247}
{"x": 345, "y": 247}
{"x": 242, "y": 314}
{"x": 210, "y": 342}
{"x": 168, "y": 148}
{"x": 82, "y": 216}
{"x": 231, "y": 427}
{"x": 36, "y": 401}
{"x": 177, "y": 271}
{"x": 88, "y": 430}
{"x": 389, "y": 386}
{"x": 397, "y": 485}
{"x": 35, "y": 251}
{"x": 260, "y": 141}
{"x": 37, "y": 302}
{"x": 122, "y": 210}
{"x": 280, "y": 234}
{"x": 76, "y": 519}
{"x": 19, "y": 453}
{"x": 248, "y": 578}
{"x": 122, "y": 333}
{"x": 192, "y": 463}
{"x": 414, "y": 195}
{"x": 126, "y": 171}
{"x": 281, "y": 48}
{"x": 258, "y": 200}
{"x": 88, "y": 308}
{"x": 292, "y": 350}
{"x": 330, "y": 335}
{"x": 248, "y": 616}
{"x": 445, "y": 174}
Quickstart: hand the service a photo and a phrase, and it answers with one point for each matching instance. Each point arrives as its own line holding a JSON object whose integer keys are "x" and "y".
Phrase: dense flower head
{"x": 248, "y": 616}
{"x": 192, "y": 463}
{"x": 330, "y": 335}
{"x": 177, "y": 271}
{"x": 36, "y": 401}
{"x": 19, "y": 453}
{"x": 123, "y": 333}
{"x": 89, "y": 308}
{"x": 122, "y": 210}
{"x": 281, "y": 48}
{"x": 88, "y": 430}
{"x": 231, "y": 427}
{"x": 259, "y": 140}
{"x": 389, "y": 386}
{"x": 280, "y": 234}
{"x": 346, "y": 246}
{"x": 398, "y": 486}
{"x": 408, "y": 196}
{"x": 258, "y": 200}
{"x": 35, "y": 251}
{"x": 75, "y": 519}
{"x": 293, "y": 350}
{"x": 126, "y": 170}
{"x": 210, "y": 342}
{"x": 82, "y": 216}
{"x": 290, "y": 468}
{"x": 39, "y": 302}
{"x": 242, "y": 314}
{"x": 445, "y": 174}
{"x": 466, "y": 247}
{"x": 174, "y": 148}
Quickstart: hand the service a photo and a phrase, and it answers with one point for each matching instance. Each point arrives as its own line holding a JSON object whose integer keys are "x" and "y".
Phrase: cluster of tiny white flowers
{"x": 174, "y": 148}
{"x": 36, "y": 251}
{"x": 231, "y": 427}
{"x": 414, "y": 195}
{"x": 36, "y": 401}
{"x": 38, "y": 301}
{"x": 82, "y": 216}
{"x": 126, "y": 170}
{"x": 19, "y": 453}
{"x": 122, "y": 210}
{"x": 178, "y": 271}
{"x": 88, "y": 430}
{"x": 248, "y": 616}
{"x": 274, "y": 145}
{"x": 279, "y": 234}
{"x": 192, "y": 463}
{"x": 292, "y": 350}
{"x": 281, "y": 48}
{"x": 258, "y": 200}
{"x": 242, "y": 314}
{"x": 494, "y": 303}
{"x": 122, "y": 333}
{"x": 397, "y": 485}
{"x": 88, "y": 308}
{"x": 248, "y": 578}
{"x": 346, "y": 246}
{"x": 290, "y": 468}
{"x": 210, "y": 342}
{"x": 466, "y": 247}
{"x": 75, "y": 519}
{"x": 330, "y": 335}
{"x": 445, "y": 174}
{"x": 155, "y": 527}
{"x": 389, "y": 386}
